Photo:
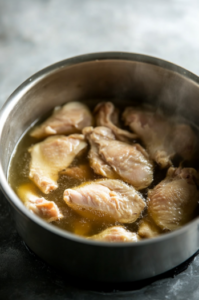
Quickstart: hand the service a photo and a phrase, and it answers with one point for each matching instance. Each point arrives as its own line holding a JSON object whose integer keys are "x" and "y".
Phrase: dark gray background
{"x": 34, "y": 34}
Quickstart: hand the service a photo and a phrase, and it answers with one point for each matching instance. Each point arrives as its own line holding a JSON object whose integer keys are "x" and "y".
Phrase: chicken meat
{"x": 51, "y": 156}
{"x": 115, "y": 159}
{"x": 173, "y": 202}
{"x": 107, "y": 115}
{"x": 68, "y": 119}
{"x": 94, "y": 136}
{"x": 148, "y": 228}
{"x": 47, "y": 210}
{"x": 115, "y": 234}
{"x": 107, "y": 197}
{"x": 163, "y": 138}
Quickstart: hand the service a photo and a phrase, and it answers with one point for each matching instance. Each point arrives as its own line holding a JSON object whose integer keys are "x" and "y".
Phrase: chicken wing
{"x": 163, "y": 138}
{"x": 51, "y": 156}
{"x": 116, "y": 234}
{"x": 107, "y": 197}
{"x": 107, "y": 115}
{"x": 71, "y": 118}
{"x": 173, "y": 202}
{"x": 43, "y": 208}
{"x": 94, "y": 135}
{"x": 115, "y": 159}
{"x": 148, "y": 228}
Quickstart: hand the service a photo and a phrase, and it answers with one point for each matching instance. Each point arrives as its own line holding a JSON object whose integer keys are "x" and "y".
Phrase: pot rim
{"x": 28, "y": 84}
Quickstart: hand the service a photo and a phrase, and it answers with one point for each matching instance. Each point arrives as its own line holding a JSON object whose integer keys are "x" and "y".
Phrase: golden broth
{"x": 84, "y": 224}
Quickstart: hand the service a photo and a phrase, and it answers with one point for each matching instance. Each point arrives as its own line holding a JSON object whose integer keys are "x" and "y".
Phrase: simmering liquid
{"x": 81, "y": 224}
{"x": 72, "y": 221}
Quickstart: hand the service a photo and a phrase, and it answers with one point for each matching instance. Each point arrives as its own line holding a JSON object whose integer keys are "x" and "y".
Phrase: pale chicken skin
{"x": 47, "y": 210}
{"x": 107, "y": 115}
{"x": 115, "y": 159}
{"x": 94, "y": 135}
{"x": 173, "y": 202}
{"x": 130, "y": 162}
{"x": 148, "y": 228}
{"x": 51, "y": 156}
{"x": 71, "y": 118}
{"x": 116, "y": 234}
{"x": 107, "y": 197}
{"x": 163, "y": 138}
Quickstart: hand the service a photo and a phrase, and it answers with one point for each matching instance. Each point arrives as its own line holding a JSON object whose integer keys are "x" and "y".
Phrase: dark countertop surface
{"x": 34, "y": 34}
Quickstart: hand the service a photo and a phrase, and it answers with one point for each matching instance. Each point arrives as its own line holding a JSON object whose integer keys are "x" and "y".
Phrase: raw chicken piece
{"x": 148, "y": 229}
{"x": 71, "y": 118}
{"x": 162, "y": 137}
{"x": 116, "y": 234}
{"x": 51, "y": 156}
{"x": 115, "y": 159}
{"x": 107, "y": 197}
{"x": 43, "y": 208}
{"x": 173, "y": 202}
{"x": 107, "y": 115}
{"x": 81, "y": 172}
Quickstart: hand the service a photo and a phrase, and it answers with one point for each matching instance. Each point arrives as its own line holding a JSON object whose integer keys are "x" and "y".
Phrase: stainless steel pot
{"x": 126, "y": 79}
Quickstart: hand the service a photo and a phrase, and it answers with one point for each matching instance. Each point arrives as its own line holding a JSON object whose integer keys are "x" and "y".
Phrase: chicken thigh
{"x": 115, "y": 159}
{"x": 163, "y": 138}
{"x": 107, "y": 197}
{"x": 43, "y": 208}
{"x": 115, "y": 234}
{"x": 107, "y": 115}
{"x": 173, "y": 202}
{"x": 51, "y": 156}
{"x": 71, "y": 118}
